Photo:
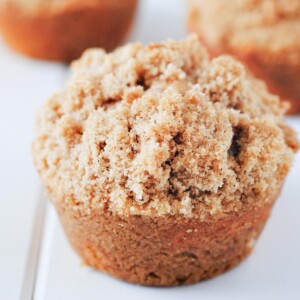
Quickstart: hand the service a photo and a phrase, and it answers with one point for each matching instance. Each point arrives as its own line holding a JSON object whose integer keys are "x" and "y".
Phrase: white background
{"x": 271, "y": 272}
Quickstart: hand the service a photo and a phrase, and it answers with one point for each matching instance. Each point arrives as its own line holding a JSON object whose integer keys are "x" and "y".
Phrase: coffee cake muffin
{"x": 163, "y": 165}
{"x": 62, "y": 29}
{"x": 263, "y": 34}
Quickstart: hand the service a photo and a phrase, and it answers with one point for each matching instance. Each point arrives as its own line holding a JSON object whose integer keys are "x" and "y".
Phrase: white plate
{"x": 271, "y": 272}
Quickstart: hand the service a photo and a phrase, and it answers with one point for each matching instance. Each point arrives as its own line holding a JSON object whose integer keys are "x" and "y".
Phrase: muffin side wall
{"x": 162, "y": 251}
{"x": 65, "y": 34}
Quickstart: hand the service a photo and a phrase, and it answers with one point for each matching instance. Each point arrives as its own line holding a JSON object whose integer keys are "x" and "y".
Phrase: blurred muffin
{"x": 163, "y": 165}
{"x": 62, "y": 29}
{"x": 263, "y": 34}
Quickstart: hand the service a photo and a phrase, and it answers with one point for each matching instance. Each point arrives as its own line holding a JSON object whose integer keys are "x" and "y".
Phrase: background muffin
{"x": 63, "y": 29}
{"x": 162, "y": 164}
{"x": 263, "y": 34}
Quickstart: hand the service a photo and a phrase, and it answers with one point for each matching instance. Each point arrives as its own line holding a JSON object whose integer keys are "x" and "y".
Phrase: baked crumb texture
{"x": 160, "y": 130}
{"x": 162, "y": 154}
{"x": 263, "y": 34}
{"x": 62, "y": 29}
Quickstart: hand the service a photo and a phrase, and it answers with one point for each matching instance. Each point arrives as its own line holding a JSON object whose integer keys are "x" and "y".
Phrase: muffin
{"x": 163, "y": 165}
{"x": 265, "y": 35}
{"x": 62, "y": 29}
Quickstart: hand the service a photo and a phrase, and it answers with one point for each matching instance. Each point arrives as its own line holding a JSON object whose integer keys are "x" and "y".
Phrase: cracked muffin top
{"x": 162, "y": 129}
{"x": 270, "y": 28}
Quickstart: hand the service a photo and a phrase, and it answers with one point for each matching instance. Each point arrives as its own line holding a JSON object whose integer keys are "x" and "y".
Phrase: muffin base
{"x": 63, "y": 35}
{"x": 162, "y": 251}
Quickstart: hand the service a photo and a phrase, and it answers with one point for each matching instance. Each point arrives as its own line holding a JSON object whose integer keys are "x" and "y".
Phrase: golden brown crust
{"x": 162, "y": 163}
{"x": 263, "y": 34}
{"x": 63, "y": 34}
{"x": 162, "y": 251}
{"x": 281, "y": 79}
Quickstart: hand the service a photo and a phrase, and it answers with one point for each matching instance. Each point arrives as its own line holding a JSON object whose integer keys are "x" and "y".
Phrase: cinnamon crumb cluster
{"x": 162, "y": 129}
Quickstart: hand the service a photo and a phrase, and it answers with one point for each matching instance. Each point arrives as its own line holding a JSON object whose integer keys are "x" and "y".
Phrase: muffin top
{"x": 269, "y": 28}
{"x": 162, "y": 129}
{"x": 33, "y": 6}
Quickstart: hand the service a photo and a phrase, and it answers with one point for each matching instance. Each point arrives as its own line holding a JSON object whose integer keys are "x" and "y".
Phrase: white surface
{"x": 271, "y": 272}
{"x": 24, "y": 85}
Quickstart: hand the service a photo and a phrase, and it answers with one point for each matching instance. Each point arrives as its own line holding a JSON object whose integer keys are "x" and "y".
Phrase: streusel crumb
{"x": 162, "y": 129}
{"x": 272, "y": 27}
{"x": 34, "y": 6}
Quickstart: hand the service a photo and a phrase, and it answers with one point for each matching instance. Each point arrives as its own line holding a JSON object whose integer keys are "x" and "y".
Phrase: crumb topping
{"x": 33, "y": 6}
{"x": 269, "y": 27}
{"x": 162, "y": 129}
